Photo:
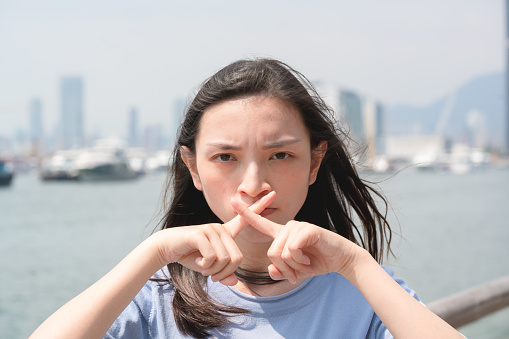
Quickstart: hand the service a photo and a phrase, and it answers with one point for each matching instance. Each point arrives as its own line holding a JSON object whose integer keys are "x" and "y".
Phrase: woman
{"x": 259, "y": 238}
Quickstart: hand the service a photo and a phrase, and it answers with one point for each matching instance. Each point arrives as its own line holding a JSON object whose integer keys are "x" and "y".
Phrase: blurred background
{"x": 91, "y": 95}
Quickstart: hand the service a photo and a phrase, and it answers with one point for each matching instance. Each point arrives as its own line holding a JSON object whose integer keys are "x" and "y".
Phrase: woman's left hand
{"x": 301, "y": 249}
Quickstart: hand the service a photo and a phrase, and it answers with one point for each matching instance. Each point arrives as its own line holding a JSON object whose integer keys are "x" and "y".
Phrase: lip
{"x": 267, "y": 211}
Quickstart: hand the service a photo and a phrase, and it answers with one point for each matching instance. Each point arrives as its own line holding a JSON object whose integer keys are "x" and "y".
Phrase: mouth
{"x": 266, "y": 212}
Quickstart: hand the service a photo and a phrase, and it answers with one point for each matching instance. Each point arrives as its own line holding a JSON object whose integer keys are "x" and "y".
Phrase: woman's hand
{"x": 209, "y": 249}
{"x": 301, "y": 249}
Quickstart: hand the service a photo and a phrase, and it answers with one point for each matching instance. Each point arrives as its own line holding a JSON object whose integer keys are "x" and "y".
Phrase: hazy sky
{"x": 149, "y": 53}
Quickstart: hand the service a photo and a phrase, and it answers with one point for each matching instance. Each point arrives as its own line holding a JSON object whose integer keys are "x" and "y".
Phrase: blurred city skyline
{"x": 149, "y": 56}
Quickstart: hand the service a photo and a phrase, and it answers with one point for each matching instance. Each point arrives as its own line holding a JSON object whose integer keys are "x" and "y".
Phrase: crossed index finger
{"x": 238, "y": 223}
{"x": 257, "y": 221}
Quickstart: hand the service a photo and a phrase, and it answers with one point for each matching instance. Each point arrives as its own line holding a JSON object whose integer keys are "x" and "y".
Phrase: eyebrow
{"x": 282, "y": 143}
{"x": 232, "y": 147}
{"x": 224, "y": 146}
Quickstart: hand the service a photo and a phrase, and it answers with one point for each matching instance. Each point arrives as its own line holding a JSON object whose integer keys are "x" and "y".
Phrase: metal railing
{"x": 469, "y": 305}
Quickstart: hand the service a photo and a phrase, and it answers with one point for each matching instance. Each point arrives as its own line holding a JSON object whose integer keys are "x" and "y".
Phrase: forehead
{"x": 255, "y": 117}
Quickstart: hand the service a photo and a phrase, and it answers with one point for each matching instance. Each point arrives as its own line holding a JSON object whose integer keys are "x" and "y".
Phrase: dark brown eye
{"x": 280, "y": 156}
{"x": 225, "y": 157}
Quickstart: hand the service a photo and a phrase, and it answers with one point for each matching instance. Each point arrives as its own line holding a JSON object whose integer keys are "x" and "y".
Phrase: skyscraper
{"x": 380, "y": 128}
{"x": 507, "y": 76}
{"x": 351, "y": 107}
{"x": 133, "y": 138}
{"x": 373, "y": 127}
{"x": 177, "y": 116}
{"x": 36, "y": 130}
{"x": 71, "y": 110}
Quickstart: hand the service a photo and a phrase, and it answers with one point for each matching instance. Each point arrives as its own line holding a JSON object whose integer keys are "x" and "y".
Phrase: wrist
{"x": 154, "y": 245}
{"x": 360, "y": 258}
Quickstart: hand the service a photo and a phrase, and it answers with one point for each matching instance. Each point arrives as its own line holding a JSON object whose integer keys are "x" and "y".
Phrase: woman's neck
{"x": 254, "y": 254}
{"x": 255, "y": 264}
{"x": 270, "y": 290}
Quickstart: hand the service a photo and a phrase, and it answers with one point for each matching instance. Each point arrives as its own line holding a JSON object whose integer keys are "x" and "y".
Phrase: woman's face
{"x": 248, "y": 147}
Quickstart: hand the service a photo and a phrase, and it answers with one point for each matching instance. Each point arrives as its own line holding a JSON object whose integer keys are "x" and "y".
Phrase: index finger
{"x": 257, "y": 221}
{"x": 238, "y": 223}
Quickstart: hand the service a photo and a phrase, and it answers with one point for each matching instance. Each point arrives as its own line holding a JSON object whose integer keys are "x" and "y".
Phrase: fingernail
{"x": 274, "y": 276}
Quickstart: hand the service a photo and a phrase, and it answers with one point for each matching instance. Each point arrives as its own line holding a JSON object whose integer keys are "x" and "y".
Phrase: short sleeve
{"x": 133, "y": 322}
{"x": 129, "y": 325}
{"x": 377, "y": 329}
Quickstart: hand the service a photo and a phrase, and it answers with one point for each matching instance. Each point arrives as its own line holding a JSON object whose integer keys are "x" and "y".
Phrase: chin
{"x": 252, "y": 235}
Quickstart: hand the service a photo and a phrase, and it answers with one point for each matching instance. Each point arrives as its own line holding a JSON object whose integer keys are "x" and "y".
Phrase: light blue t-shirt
{"x": 325, "y": 306}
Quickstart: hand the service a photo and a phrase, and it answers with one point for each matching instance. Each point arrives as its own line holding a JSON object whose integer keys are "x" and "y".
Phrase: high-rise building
{"x": 71, "y": 112}
{"x": 380, "y": 129}
{"x": 360, "y": 116}
{"x": 177, "y": 116}
{"x": 152, "y": 138}
{"x": 507, "y": 75}
{"x": 36, "y": 129}
{"x": 372, "y": 112}
{"x": 330, "y": 94}
{"x": 352, "y": 111}
{"x": 133, "y": 137}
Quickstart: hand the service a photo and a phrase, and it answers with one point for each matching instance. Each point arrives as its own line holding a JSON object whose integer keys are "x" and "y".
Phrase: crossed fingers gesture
{"x": 299, "y": 249}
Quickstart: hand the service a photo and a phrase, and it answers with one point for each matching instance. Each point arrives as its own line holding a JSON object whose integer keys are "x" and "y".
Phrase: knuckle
{"x": 217, "y": 227}
{"x": 237, "y": 258}
{"x": 209, "y": 226}
{"x": 272, "y": 254}
{"x": 286, "y": 256}
{"x": 211, "y": 256}
{"x": 197, "y": 231}
{"x": 223, "y": 258}
{"x": 293, "y": 248}
{"x": 201, "y": 230}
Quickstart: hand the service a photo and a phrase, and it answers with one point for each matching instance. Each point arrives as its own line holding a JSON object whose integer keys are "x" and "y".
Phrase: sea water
{"x": 451, "y": 232}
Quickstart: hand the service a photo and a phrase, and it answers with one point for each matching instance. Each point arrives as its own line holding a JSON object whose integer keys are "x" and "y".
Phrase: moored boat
{"x": 60, "y": 166}
{"x": 106, "y": 161}
{"x": 6, "y": 173}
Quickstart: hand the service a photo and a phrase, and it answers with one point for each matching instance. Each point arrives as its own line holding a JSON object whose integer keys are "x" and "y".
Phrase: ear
{"x": 317, "y": 155}
{"x": 190, "y": 160}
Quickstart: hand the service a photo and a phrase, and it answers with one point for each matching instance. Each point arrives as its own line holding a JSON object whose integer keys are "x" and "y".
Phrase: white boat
{"x": 158, "y": 162}
{"x": 60, "y": 166}
{"x": 106, "y": 161}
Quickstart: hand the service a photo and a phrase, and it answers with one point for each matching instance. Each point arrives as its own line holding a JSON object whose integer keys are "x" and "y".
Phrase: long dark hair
{"x": 337, "y": 197}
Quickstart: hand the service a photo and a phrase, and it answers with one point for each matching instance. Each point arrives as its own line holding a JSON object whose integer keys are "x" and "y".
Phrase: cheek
{"x": 296, "y": 178}
{"x": 293, "y": 190}
{"x": 218, "y": 192}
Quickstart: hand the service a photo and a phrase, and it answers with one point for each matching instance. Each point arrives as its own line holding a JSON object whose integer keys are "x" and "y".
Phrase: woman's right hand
{"x": 210, "y": 248}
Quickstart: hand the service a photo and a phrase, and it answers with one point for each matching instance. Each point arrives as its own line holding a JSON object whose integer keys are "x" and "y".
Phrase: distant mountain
{"x": 477, "y": 105}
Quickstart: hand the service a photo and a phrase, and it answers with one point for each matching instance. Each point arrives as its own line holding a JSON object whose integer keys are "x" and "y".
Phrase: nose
{"x": 254, "y": 182}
